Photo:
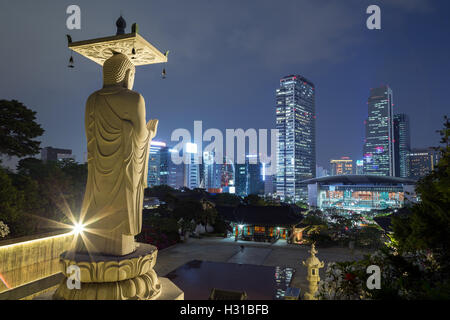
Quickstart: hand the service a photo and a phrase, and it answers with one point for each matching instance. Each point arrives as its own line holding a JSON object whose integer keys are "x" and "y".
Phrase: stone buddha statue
{"x": 118, "y": 139}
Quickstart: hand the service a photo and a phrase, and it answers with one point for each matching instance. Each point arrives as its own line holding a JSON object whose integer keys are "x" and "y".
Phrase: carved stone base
{"x": 129, "y": 277}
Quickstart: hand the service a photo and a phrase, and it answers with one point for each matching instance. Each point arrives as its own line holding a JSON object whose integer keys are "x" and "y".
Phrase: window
{"x": 260, "y": 230}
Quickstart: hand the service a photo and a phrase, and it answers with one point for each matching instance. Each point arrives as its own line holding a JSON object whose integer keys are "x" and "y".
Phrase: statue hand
{"x": 152, "y": 127}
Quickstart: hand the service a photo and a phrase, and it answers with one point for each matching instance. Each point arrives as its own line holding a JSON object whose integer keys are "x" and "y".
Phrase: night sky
{"x": 226, "y": 59}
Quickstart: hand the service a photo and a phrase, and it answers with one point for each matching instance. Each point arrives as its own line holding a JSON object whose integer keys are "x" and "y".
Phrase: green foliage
{"x": 302, "y": 204}
{"x": 162, "y": 192}
{"x": 314, "y": 217}
{"x": 428, "y": 226}
{"x": 11, "y": 199}
{"x": 188, "y": 210}
{"x": 41, "y": 195}
{"x": 220, "y": 226}
{"x": 18, "y": 128}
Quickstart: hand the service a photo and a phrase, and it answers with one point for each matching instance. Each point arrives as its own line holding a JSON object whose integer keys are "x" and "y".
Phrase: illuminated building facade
{"x": 402, "y": 144}
{"x": 192, "y": 166}
{"x": 154, "y": 164}
{"x": 359, "y": 168}
{"x": 250, "y": 177}
{"x": 321, "y": 172}
{"x": 296, "y": 124}
{"x": 255, "y": 176}
{"x": 211, "y": 172}
{"x": 379, "y": 158}
{"x": 341, "y": 166}
{"x": 356, "y": 193}
{"x": 227, "y": 176}
{"x": 55, "y": 154}
{"x": 421, "y": 162}
{"x": 241, "y": 177}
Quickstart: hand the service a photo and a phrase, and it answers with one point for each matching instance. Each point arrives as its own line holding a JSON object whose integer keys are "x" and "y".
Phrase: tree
{"x": 189, "y": 210}
{"x": 226, "y": 199}
{"x": 254, "y": 200}
{"x": 11, "y": 199}
{"x": 302, "y": 204}
{"x": 209, "y": 216}
{"x": 428, "y": 226}
{"x": 18, "y": 128}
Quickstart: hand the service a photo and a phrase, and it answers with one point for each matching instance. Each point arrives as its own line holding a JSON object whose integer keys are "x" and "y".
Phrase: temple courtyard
{"x": 226, "y": 250}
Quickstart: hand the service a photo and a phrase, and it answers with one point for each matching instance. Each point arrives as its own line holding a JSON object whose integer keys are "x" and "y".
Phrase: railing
{"x": 26, "y": 260}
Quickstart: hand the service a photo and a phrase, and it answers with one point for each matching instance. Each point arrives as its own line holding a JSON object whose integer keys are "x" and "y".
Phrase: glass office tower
{"x": 296, "y": 124}
{"x": 402, "y": 144}
{"x": 379, "y": 156}
{"x": 154, "y": 163}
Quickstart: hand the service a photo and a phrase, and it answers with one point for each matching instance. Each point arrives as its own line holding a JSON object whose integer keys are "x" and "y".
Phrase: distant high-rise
{"x": 269, "y": 185}
{"x": 379, "y": 156}
{"x": 421, "y": 162}
{"x": 321, "y": 172}
{"x": 249, "y": 177}
{"x": 227, "y": 176}
{"x": 154, "y": 163}
{"x": 165, "y": 163}
{"x": 296, "y": 124}
{"x": 55, "y": 154}
{"x": 359, "y": 168}
{"x": 402, "y": 144}
{"x": 241, "y": 177}
{"x": 211, "y": 172}
{"x": 255, "y": 178}
{"x": 192, "y": 166}
{"x": 341, "y": 166}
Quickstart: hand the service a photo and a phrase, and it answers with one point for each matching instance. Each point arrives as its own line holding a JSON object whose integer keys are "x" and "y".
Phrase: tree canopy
{"x": 18, "y": 129}
{"x": 428, "y": 226}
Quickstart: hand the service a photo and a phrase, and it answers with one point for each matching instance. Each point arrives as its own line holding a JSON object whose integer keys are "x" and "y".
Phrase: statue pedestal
{"x": 105, "y": 277}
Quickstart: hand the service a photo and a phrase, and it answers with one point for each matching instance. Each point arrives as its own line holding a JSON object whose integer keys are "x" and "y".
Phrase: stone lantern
{"x": 313, "y": 264}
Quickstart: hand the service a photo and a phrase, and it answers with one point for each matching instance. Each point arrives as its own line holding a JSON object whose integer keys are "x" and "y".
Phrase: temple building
{"x": 263, "y": 223}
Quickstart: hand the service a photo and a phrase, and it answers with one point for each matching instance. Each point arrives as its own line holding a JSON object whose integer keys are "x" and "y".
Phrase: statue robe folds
{"x": 118, "y": 150}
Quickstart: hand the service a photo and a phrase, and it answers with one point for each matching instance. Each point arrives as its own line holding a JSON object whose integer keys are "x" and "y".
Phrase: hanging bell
{"x": 164, "y": 73}
{"x": 71, "y": 63}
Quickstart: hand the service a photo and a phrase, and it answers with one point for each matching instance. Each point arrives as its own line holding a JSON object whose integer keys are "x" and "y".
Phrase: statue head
{"x": 118, "y": 71}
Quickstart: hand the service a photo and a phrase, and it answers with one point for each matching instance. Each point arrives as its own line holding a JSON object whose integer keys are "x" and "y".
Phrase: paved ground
{"x": 227, "y": 250}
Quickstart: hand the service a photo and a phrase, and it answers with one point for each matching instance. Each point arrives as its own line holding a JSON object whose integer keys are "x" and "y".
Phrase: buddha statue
{"x": 118, "y": 140}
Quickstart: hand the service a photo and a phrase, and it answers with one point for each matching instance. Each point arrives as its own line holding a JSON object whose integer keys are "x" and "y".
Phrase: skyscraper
{"x": 192, "y": 166}
{"x": 296, "y": 124}
{"x": 154, "y": 162}
{"x": 241, "y": 177}
{"x": 402, "y": 144}
{"x": 359, "y": 169}
{"x": 378, "y": 147}
{"x": 165, "y": 164}
{"x": 255, "y": 178}
{"x": 211, "y": 172}
{"x": 341, "y": 166}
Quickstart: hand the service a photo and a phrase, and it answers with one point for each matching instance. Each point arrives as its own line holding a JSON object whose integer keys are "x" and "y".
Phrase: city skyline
{"x": 344, "y": 70}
